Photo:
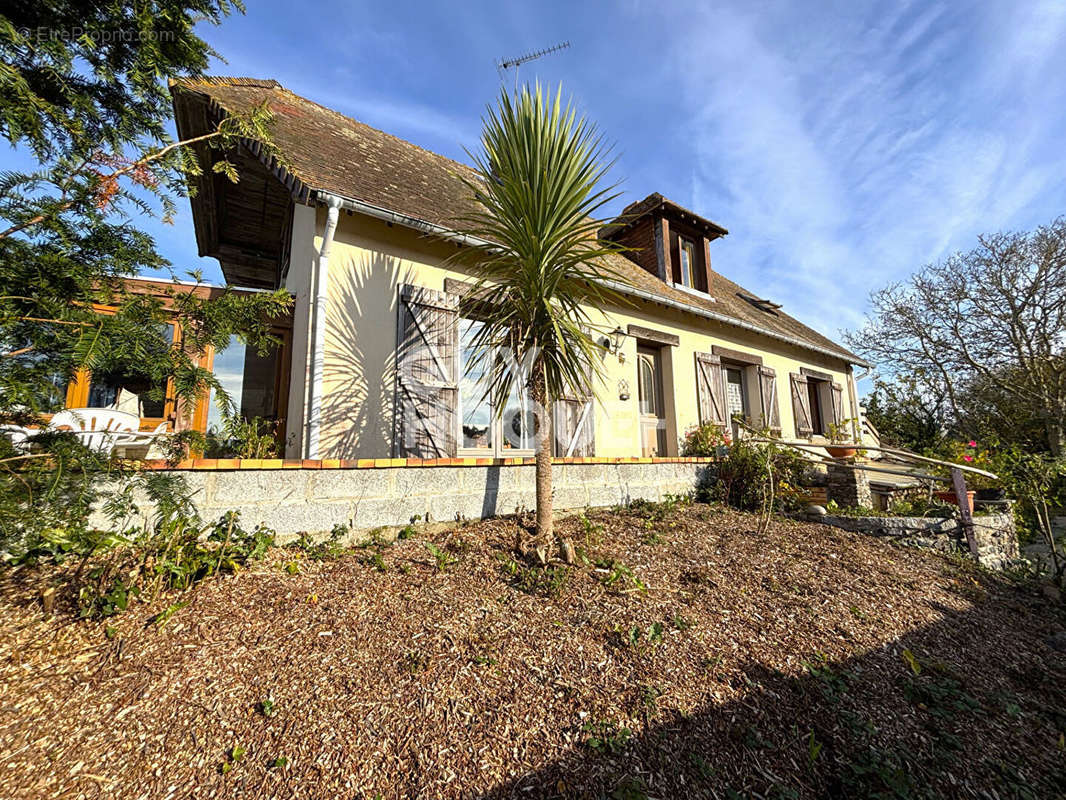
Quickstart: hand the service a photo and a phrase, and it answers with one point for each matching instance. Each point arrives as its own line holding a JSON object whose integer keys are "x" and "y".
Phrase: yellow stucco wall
{"x": 370, "y": 258}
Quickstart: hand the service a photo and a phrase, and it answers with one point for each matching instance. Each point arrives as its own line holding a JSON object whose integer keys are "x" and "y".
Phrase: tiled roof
{"x": 327, "y": 151}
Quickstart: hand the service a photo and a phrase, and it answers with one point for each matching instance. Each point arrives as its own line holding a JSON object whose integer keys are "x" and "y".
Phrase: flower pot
{"x": 949, "y": 497}
{"x": 841, "y": 450}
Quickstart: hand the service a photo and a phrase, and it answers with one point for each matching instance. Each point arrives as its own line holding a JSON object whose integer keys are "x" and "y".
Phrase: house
{"x": 357, "y": 224}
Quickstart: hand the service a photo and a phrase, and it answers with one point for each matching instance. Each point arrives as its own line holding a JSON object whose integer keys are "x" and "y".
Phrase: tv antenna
{"x": 514, "y": 63}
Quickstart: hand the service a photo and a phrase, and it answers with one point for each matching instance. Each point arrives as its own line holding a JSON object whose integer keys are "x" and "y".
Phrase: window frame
{"x": 686, "y": 251}
{"x": 745, "y": 388}
{"x": 497, "y": 448}
{"x": 77, "y": 392}
{"x": 819, "y": 395}
{"x": 81, "y": 385}
{"x": 282, "y": 373}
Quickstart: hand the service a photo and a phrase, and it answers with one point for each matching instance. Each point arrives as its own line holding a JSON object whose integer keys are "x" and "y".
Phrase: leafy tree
{"x": 92, "y": 109}
{"x": 909, "y": 412}
{"x": 991, "y": 319}
{"x": 81, "y": 77}
{"x": 986, "y": 411}
{"x": 538, "y": 172}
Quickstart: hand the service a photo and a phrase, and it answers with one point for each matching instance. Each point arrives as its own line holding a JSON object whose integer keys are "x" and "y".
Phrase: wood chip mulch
{"x": 804, "y": 662}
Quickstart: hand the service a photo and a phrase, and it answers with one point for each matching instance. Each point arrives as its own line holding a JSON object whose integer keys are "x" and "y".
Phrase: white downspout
{"x": 318, "y": 328}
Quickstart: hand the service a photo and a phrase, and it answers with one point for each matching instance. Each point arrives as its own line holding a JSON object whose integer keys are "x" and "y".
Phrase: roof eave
{"x": 421, "y": 225}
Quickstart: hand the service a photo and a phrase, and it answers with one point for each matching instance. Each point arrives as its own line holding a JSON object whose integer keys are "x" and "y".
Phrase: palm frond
{"x": 538, "y": 177}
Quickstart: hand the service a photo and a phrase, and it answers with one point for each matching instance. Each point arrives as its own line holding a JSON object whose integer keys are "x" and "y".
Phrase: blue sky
{"x": 843, "y": 144}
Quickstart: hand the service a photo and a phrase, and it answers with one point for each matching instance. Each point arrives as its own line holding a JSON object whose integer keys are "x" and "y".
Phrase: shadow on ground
{"x": 975, "y": 708}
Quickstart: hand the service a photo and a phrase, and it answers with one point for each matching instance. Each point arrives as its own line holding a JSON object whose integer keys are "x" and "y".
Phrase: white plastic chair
{"x": 148, "y": 440}
{"x": 99, "y": 429}
{"x": 18, "y": 435}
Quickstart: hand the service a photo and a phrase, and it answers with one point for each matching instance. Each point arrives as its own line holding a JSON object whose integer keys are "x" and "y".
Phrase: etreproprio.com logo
{"x": 96, "y": 36}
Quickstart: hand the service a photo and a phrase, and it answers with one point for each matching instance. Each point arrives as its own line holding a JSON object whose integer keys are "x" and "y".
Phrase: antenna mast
{"x": 505, "y": 64}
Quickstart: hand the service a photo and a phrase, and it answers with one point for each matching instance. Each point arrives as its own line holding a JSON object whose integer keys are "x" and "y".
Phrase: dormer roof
{"x": 656, "y": 204}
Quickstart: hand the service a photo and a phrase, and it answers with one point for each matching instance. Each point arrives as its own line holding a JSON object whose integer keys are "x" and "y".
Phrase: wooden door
{"x": 650, "y": 399}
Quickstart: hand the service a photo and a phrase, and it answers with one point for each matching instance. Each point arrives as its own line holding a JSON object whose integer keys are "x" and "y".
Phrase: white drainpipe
{"x": 318, "y": 328}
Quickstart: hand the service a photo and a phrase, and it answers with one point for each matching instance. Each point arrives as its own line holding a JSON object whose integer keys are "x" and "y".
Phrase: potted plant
{"x": 979, "y": 487}
{"x": 952, "y": 499}
{"x": 842, "y": 442}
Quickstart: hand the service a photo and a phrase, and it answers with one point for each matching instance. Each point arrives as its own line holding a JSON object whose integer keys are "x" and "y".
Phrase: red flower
{"x": 967, "y": 458}
{"x": 971, "y": 443}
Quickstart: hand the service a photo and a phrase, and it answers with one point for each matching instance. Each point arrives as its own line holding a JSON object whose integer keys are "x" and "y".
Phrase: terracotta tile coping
{"x": 229, "y": 464}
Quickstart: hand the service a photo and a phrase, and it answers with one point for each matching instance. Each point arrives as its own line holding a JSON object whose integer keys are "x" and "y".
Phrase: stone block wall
{"x": 849, "y": 487}
{"x": 997, "y": 540}
{"x": 313, "y": 501}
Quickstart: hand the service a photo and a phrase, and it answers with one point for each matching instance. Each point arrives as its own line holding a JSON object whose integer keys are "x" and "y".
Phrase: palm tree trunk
{"x": 543, "y": 444}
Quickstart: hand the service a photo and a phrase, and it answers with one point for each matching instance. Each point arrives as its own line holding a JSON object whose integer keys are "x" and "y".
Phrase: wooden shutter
{"x": 573, "y": 425}
{"x": 710, "y": 390}
{"x": 801, "y": 404}
{"x": 771, "y": 415}
{"x": 427, "y": 373}
{"x": 838, "y": 403}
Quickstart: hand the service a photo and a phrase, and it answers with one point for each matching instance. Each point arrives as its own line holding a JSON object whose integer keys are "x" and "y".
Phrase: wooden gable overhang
{"x": 245, "y": 225}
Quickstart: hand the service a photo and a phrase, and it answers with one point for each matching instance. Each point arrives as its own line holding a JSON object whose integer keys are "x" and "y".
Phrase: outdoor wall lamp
{"x": 623, "y": 389}
{"x": 613, "y": 342}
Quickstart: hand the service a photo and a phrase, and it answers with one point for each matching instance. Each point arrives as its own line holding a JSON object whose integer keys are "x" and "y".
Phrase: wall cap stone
{"x": 197, "y": 464}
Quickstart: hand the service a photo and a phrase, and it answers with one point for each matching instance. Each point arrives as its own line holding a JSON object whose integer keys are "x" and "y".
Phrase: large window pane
{"x": 646, "y": 385}
{"x": 249, "y": 379}
{"x": 481, "y": 427}
{"x": 474, "y": 406}
{"x": 517, "y": 421}
{"x": 129, "y": 389}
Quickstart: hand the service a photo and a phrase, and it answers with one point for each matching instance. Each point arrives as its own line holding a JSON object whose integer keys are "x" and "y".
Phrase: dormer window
{"x": 688, "y": 262}
{"x": 670, "y": 242}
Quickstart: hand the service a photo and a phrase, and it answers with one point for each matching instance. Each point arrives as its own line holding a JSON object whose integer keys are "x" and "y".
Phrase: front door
{"x": 650, "y": 395}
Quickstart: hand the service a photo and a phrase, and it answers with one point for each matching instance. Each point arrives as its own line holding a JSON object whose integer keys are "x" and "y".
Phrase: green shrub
{"x": 704, "y": 440}
{"x": 543, "y": 581}
{"x": 327, "y": 549}
{"x": 243, "y": 438}
{"x": 174, "y": 549}
{"x": 46, "y": 500}
{"x": 744, "y": 477}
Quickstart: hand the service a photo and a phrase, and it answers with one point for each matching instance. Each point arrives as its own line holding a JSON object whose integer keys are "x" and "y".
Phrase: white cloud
{"x": 844, "y": 151}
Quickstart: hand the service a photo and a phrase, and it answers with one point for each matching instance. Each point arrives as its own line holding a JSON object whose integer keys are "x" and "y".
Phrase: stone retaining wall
{"x": 294, "y": 501}
{"x": 997, "y": 541}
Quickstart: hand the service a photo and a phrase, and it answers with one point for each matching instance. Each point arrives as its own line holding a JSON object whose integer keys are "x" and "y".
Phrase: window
{"x": 648, "y": 388}
{"x": 250, "y": 380}
{"x": 125, "y": 389}
{"x": 736, "y": 397}
{"x": 736, "y": 392}
{"x": 481, "y": 429}
{"x": 814, "y": 397}
{"x": 130, "y": 390}
{"x": 687, "y": 250}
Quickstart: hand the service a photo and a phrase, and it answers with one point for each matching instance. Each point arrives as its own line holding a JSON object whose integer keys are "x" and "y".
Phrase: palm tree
{"x": 541, "y": 265}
